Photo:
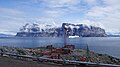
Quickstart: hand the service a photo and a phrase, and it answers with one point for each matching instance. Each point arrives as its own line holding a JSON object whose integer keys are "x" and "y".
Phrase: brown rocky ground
{"x": 10, "y": 62}
{"x": 76, "y": 54}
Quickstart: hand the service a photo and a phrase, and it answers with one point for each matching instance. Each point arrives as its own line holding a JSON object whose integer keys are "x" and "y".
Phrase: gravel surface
{"x": 9, "y": 62}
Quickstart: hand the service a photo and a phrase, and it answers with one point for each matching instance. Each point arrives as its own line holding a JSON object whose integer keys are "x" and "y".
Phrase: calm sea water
{"x": 105, "y": 45}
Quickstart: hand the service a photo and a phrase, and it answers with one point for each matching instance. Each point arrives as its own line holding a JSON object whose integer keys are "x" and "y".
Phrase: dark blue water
{"x": 105, "y": 45}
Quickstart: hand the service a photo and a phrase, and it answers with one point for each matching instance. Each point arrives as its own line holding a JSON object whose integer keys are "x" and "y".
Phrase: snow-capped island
{"x": 47, "y": 30}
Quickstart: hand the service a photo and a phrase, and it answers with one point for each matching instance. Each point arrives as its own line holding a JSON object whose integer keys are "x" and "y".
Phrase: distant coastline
{"x": 6, "y": 35}
{"x": 44, "y": 30}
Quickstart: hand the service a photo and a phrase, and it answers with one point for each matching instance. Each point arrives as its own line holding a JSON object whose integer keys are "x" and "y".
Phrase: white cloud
{"x": 54, "y": 13}
{"x": 112, "y": 3}
{"x": 91, "y": 2}
{"x": 10, "y": 12}
{"x": 59, "y": 8}
{"x": 10, "y": 19}
{"x": 61, "y": 3}
{"x": 107, "y": 15}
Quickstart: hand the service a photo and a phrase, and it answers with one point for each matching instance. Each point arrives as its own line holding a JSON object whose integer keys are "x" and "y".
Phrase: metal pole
{"x": 88, "y": 53}
{"x": 65, "y": 33}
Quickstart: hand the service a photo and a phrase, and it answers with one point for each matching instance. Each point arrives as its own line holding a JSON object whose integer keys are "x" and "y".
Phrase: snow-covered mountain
{"x": 5, "y": 35}
{"x": 83, "y": 30}
{"x": 47, "y": 30}
{"x": 113, "y": 34}
{"x": 36, "y": 27}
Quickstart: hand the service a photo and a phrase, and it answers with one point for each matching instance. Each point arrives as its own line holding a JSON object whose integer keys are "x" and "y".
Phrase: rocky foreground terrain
{"x": 10, "y": 62}
{"x": 76, "y": 54}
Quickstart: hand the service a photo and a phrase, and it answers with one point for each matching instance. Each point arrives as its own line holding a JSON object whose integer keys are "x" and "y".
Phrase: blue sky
{"x": 16, "y": 13}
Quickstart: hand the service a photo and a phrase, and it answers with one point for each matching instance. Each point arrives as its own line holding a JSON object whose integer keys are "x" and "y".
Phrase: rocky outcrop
{"x": 81, "y": 30}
